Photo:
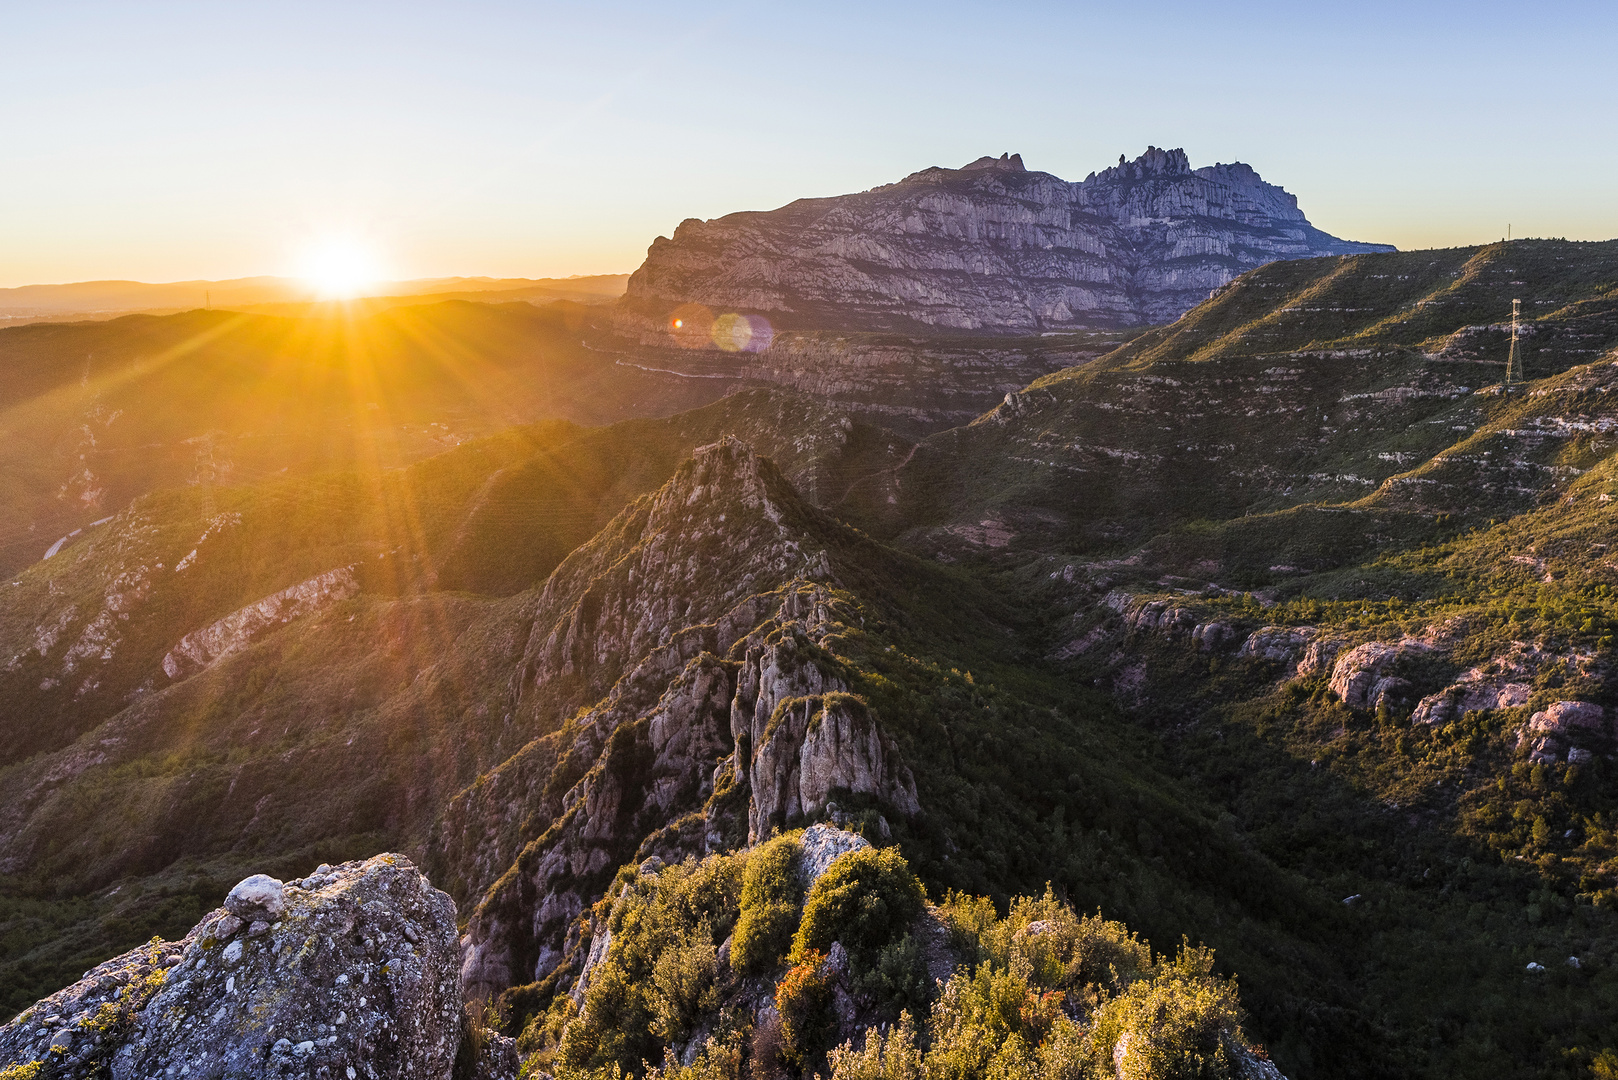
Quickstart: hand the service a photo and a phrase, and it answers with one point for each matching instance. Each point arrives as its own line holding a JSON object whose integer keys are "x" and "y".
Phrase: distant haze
{"x": 181, "y": 141}
{"x": 102, "y": 299}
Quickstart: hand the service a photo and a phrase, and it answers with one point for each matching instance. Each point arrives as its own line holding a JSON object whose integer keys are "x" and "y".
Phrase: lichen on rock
{"x": 354, "y": 974}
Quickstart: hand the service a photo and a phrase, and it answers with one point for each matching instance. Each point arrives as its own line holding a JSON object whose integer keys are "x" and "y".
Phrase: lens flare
{"x": 691, "y": 326}
{"x": 743, "y": 333}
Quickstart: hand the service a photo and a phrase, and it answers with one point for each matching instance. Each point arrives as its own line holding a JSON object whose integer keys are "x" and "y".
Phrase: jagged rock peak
{"x": 1003, "y": 163}
{"x": 989, "y": 247}
{"x": 1151, "y": 164}
{"x": 727, "y": 468}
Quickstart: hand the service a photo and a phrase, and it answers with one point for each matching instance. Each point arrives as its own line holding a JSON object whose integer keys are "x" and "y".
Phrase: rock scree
{"x": 350, "y": 972}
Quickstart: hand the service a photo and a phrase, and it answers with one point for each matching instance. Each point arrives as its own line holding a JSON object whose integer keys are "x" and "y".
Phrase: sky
{"x": 174, "y": 141}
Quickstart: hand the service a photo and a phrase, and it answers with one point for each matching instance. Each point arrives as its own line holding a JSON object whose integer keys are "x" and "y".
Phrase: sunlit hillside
{"x": 96, "y": 414}
{"x": 1284, "y": 631}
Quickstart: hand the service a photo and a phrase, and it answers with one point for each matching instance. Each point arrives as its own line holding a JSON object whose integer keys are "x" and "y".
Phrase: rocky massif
{"x": 703, "y": 741}
{"x": 990, "y": 247}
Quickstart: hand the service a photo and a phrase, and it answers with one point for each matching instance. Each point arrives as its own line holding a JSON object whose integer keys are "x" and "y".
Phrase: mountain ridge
{"x": 991, "y": 248}
{"x": 1283, "y": 628}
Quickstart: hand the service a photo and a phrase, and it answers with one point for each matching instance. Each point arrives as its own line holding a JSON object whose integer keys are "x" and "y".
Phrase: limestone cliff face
{"x": 990, "y": 247}
{"x": 814, "y": 746}
{"x": 237, "y": 630}
{"x": 680, "y": 774}
{"x": 686, "y": 631}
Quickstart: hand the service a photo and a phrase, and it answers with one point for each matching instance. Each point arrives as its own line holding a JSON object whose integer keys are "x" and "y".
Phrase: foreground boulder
{"x": 349, "y": 972}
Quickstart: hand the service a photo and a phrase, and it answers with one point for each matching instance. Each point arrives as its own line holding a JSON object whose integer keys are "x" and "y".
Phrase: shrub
{"x": 971, "y": 921}
{"x": 978, "y": 1019}
{"x": 769, "y": 1049}
{"x": 1180, "y": 1023}
{"x": 1066, "y": 952}
{"x": 866, "y": 899}
{"x": 771, "y": 899}
{"x": 892, "y": 1057}
{"x": 804, "y": 1000}
{"x": 660, "y": 972}
{"x": 1063, "y": 951}
{"x": 715, "y": 1061}
{"x": 898, "y": 979}
{"x": 682, "y": 986}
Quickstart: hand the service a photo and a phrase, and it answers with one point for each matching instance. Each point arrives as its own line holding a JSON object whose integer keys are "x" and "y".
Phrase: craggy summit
{"x": 989, "y": 247}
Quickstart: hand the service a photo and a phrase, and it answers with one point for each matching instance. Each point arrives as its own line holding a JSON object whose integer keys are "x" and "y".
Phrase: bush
{"x": 661, "y": 971}
{"x": 1181, "y": 1023}
{"x": 898, "y": 979}
{"x": 804, "y": 1000}
{"x": 771, "y": 899}
{"x": 1065, "y": 952}
{"x": 978, "y": 1020}
{"x": 894, "y": 1057}
{"x": 869, "y": 900}
{"x": 866, "y": 899}
{"x": 715, "y": 1061}
{"x": 1009, "y": 1018}
{"x": 1062, "y": 951}
{"x": 971, "y": 921}
{"x": 1011, "y": 1013}
{"x": 683, "y": 978}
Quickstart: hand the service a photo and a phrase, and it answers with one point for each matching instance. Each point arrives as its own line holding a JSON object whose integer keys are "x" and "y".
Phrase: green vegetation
{"x": 1042, "y": 991}
{"x": 1309, "y": 450}
{"x": 868, "y": 901}
{"x": 100, "y": 413}
{"x": 771, "y": 905}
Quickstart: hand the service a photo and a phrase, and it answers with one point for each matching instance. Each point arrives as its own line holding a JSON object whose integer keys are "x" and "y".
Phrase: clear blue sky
{"x": 164, "y": 141}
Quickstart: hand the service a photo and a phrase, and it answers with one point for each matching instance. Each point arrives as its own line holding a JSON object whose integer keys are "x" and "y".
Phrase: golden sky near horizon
{"x": 180, "y": 141}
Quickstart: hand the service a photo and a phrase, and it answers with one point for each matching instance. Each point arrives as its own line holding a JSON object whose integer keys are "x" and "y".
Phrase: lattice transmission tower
{"x": 1514, "y": 358}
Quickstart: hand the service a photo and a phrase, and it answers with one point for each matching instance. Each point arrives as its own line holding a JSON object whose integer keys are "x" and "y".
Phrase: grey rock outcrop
{"x": 1360, "y": 676}
{"x": 354, "y": 974}
{"x": 820, "y": 846}
{"x": 690, "y": 639}
{"x": 1551, "y": 730}
{"x": 240, "y": 628}
{"x": 1468, "y": 695}
{"x": 1283, "y": 643}
{"x": 814, "y": 746}
{"x": 1566, "y": 717}
{"x": 1161, "y": 616}
{"x": 1214, "y": 636}
{"x": 988, "y": 247}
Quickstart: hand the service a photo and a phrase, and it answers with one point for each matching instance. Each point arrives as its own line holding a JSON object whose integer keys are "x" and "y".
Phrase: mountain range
{"x": 744, "y": 723}
{"x": 989, "y": 247}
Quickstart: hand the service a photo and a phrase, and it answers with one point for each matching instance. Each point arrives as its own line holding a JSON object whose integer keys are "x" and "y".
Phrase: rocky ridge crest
{"x": 691, "y": 644}
{"x": 990, "y": 247}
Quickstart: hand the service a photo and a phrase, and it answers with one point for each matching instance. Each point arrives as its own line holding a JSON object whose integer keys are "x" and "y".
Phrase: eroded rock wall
{"x": 986, "y": 248}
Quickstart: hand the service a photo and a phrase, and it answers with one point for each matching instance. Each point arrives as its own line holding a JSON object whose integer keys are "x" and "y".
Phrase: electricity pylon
{"x": 1514, "y": 359}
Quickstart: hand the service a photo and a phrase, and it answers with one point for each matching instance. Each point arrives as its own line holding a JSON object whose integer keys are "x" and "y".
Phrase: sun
{"x": 340, "y": 268}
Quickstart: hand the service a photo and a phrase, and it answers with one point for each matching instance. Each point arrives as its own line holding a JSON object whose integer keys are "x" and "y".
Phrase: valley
{"x": 1282, "y": 629}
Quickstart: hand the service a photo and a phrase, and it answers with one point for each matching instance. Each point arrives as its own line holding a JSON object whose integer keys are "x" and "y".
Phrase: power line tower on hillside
{"x": 1513, "y": 358}
{"x": 207, "y": 472}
